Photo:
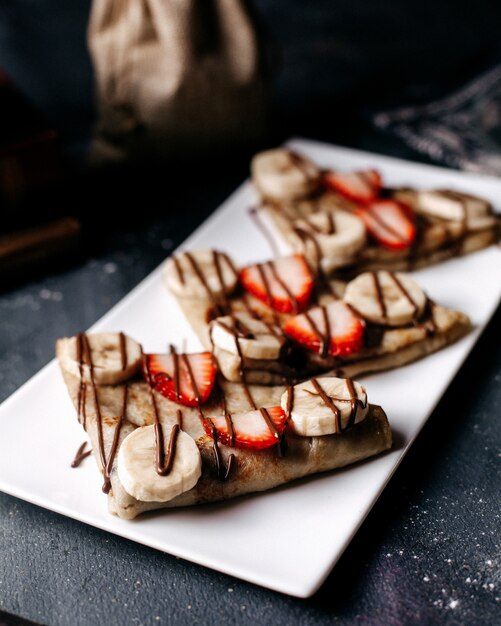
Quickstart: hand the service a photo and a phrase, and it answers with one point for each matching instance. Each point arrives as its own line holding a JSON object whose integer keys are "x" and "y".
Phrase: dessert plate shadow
{"x": 254, "y": 538}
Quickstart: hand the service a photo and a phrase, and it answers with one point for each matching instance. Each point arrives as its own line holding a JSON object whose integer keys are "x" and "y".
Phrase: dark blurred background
{"x": 333, "y": 66}
{"x": 334, "y": 61}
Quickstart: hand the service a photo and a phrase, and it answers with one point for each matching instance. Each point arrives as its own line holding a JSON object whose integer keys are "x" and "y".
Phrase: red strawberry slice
{"x": 257, "y": 429}
{"x": 195, "y": 378}
{"x": 357, "y": 186}
{"x": 343, "y": 335}
{"x": 284, "y": 284}
{"x": 389, "y": 222}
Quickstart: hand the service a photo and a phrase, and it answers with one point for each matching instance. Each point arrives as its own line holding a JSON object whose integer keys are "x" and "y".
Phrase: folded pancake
{"x": 110, "y": 413}
{"x": 385, "y": 346}
{"x": 351, "y": 221}
{"x": 437, "y": 240}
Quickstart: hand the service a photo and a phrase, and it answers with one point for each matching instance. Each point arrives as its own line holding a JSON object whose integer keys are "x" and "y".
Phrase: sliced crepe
{"x": 404, "y": 228}
{"x": 207, "y": 464}
{"x": 253, "y": 341}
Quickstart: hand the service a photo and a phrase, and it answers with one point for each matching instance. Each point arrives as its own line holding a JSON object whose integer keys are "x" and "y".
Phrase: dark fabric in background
{"x": 429, "y": 551}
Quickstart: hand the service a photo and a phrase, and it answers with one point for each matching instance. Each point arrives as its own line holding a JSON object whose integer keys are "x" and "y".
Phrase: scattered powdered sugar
{"x": 27, "y": 301}
{"x": 110, "y": 268}
{"x": 47, "y": 294}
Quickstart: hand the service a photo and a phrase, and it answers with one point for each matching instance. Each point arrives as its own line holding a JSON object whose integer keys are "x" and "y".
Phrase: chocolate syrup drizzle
{"x": 164, "y": 461}
{"x": 455, "y": 246}
{"x": 238, "y": 331}
{"x": 219, "y": 307}
{"x": 80, "y": 455}
{"x": 254, "y": 213}
{"x": 354, "y": 401}
{"x": 84, "y": 357}
{"x": 220, "y": 471}
{"x": 404, "y": 292}
{"x": 379, "y": 294}
{"x": 82, "y": 388}
{"x": 324, "y": 336}
{"x": 380, "y": 298}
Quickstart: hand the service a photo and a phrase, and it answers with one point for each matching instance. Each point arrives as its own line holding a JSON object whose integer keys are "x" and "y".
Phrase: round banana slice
{"x": 256, "y": 340}
{"x": 388, "y": 298}
{"x": 136, "y": 465}
{"x": 325, "y": 406}
{"x": 201, "y": 275}
{"x": 284, "y": 175}
{"x": 451, "y": 205}
{"x": 339, "y": 234}
{"x": 112, "y": 363}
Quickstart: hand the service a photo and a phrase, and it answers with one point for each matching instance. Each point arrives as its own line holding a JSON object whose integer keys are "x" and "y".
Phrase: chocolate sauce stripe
{"x": 215, "y": 448}
{"x": 329, "y": 403}
{"x": 82, "y": 389}
{"x": 389, "y": 229}
{"x": 123, "y": 350}
{"x": 269, "y": 422}
{"x": 379, "y": 294}
{"x": 116, "y": 434}
{"x": 242, "y": 372}
{"x": 255, "y": 314}
{"x": 354, "y": 401}
{"x": 305, "y": 235}
{"x": 266, "y": 285}
{"x": 175, "y": 360}
{"x": 80, "y": 455}
{"x": 234, "y": 331}
{"x": 179, "y": 269}
{"x": 282, "y": 284}
{"x": 324, "y": 337}
{"x": 163, "y": 462}
{"x": 84, "y": 353}
{"x": 404, "y": 291}
{"x": 87, "y": 356}
{"x": 216, "y": 256}
{"x": 254, "y": 213}
{"x": 327, "y": 336}
{"x": 200, "y": 275}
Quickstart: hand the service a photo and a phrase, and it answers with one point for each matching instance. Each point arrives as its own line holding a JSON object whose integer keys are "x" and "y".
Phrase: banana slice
{"x": 388, "y": 298}
{"x": 256, "y": 340}
{"x": 451, "y": 205}
{"x": 202, "y": 275}
{"x": 136, "y": 465}
{"x": 324, "y": 406}
{"x": 338, "y": 235}
{"x": 106, "y": 356}
{"x": 284, "y": 175}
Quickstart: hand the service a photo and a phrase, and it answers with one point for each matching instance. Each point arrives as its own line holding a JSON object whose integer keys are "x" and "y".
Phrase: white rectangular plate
{"x": 253, "y": 537}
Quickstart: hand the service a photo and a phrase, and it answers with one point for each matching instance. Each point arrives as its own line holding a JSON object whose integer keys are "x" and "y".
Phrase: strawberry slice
{"x": 357, "y": 186}
{"x": 332, "y": 330}
{"x": 389, "y": 222}
{"x": 195, "y": 376}
{"x": 257, "y": 429}
{"x": 284, "y": 284}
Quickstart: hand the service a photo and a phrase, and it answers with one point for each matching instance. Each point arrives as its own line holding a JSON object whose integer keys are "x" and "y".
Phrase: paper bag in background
{"x": 175, "y": 78}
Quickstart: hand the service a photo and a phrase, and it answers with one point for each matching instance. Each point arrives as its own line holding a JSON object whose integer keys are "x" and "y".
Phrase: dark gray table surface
{"x": 429, "y": 552}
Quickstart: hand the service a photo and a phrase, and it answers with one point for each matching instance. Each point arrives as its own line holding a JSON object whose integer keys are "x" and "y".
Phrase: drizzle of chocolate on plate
{"x": 80, "y": 455}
